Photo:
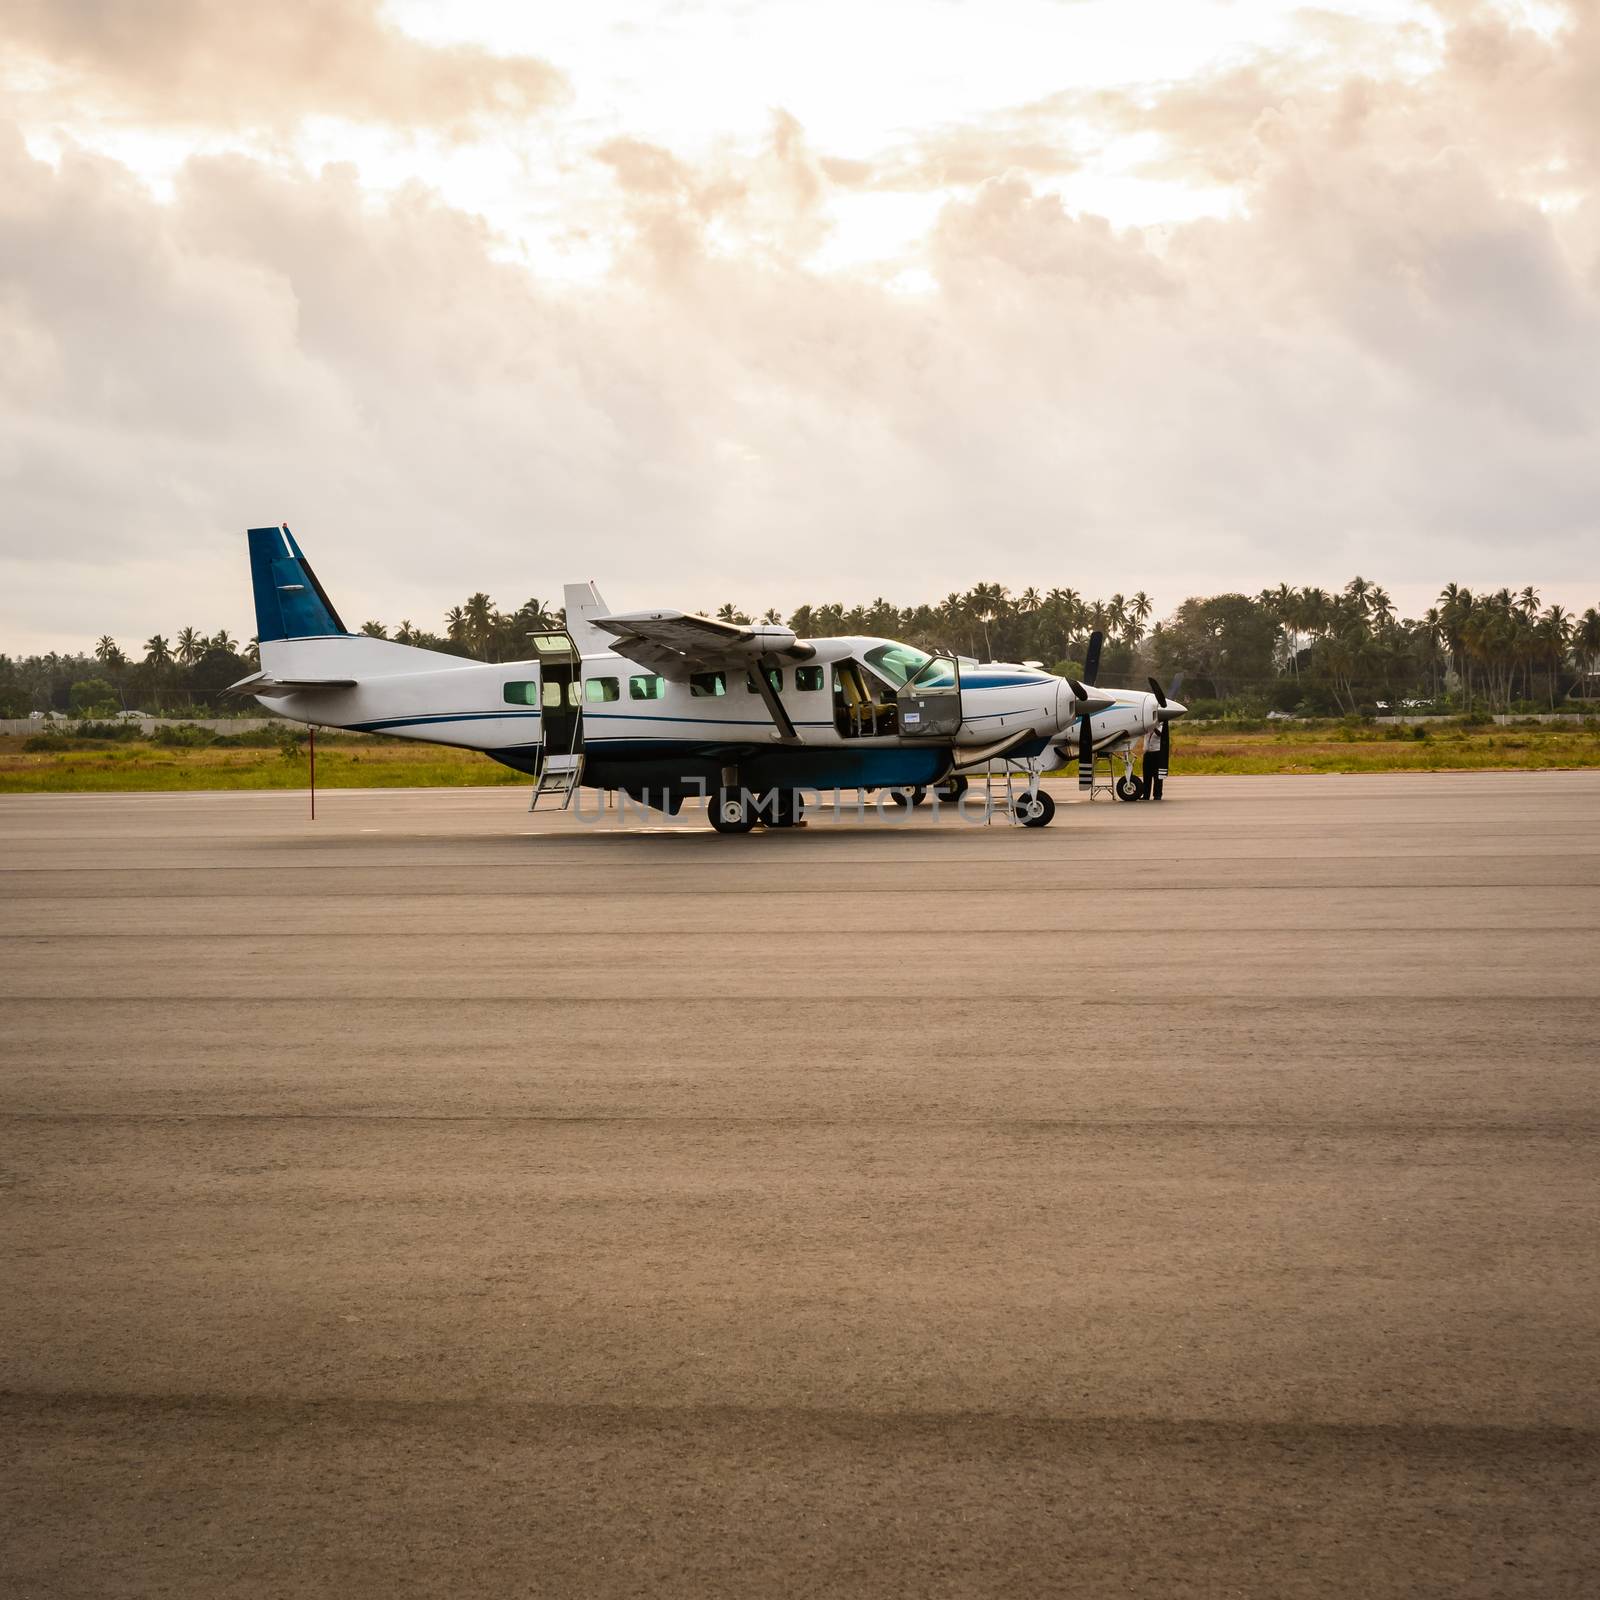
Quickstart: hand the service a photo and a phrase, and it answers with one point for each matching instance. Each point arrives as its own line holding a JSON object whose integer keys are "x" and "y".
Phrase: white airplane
{"x": 663, "y": 706}
{"x": 1133, "y": 721}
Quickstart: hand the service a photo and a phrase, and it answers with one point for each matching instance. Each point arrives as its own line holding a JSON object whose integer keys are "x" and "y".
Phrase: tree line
{"x": 1306, "y": 650}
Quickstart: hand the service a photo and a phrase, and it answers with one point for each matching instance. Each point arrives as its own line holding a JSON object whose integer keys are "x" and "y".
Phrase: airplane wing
{"x": 676, "y": 644}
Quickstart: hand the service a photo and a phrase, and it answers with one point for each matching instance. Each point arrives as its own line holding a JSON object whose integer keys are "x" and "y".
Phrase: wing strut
{"x": 781, "y": 719}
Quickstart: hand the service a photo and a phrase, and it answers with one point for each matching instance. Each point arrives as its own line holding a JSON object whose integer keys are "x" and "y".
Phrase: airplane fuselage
{"x": 639, "y": 729}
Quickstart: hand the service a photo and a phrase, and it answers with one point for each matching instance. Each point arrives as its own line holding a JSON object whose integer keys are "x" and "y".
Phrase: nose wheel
{"x": 1129, "y": 788}
{"x": 1035, "y": 811}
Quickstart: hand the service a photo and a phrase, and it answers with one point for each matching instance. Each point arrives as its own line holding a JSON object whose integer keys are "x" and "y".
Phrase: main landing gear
{"x": 736, "y": 810}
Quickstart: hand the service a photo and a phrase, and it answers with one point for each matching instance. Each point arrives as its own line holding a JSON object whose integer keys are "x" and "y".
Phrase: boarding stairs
{"x": 1002, "y": 790}
{"x": 1107, "y": 786}
{"x": 559, "y": 777}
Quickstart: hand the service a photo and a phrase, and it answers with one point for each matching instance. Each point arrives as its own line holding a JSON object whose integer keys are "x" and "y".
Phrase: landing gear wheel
{"x": 951, "y": 788}
{"x": 913, "y": 796}
{"x": 783, "y": 809}
{"x": 1129, "y": 789}
{"x": 1037, "y": 812}
{"x": 730, "y": 811}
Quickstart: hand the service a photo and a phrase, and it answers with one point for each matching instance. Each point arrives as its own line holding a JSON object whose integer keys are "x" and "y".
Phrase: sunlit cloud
{"x": 1317, "y": 296}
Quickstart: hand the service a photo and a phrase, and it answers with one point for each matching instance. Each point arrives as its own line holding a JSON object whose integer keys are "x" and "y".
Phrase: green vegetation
{"x": 180, "y": 758}
{"x": 1304, "y": 650}
{"x": 261, "y": 760}
{"x": 1457, "y": 745}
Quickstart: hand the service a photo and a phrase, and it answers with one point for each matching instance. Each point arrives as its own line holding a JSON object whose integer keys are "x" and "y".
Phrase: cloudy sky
{"x": 772, "y": 301}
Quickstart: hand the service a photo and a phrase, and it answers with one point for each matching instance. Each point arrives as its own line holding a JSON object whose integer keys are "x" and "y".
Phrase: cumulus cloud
{"x": 1029, "y": 140}
{"x": 1386, "y": 359}
{"x": 234, "y": 63}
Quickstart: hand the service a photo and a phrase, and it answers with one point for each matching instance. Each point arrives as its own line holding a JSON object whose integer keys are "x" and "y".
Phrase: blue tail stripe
{"x": 290, "y": 603}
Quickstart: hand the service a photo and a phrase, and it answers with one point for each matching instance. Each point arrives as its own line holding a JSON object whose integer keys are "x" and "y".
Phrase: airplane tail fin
{"x": 290, "y": 603}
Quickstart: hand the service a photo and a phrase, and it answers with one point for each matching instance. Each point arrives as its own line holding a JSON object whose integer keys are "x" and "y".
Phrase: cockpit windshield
{"x": 939, "y": 672}
{"x": 897, "y": 662}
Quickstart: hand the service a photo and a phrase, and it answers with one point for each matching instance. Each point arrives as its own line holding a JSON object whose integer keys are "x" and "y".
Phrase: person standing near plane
{"x": 1152, "y": 760}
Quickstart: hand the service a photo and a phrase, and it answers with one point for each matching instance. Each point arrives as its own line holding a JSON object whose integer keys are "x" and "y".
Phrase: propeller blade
{"x": 1091, "y": 659}
{"x": 1085, "y": 754}
{"x": 1177, "y": 684}
{"x": 1164, "y": 753}
{"x": 1155, "y": 689}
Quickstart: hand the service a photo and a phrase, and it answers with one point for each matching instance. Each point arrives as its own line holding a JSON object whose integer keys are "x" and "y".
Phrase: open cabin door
{"x": 560, "y": 692}
{"x": 930, "y": 703}
{"x": 561, "y": 721}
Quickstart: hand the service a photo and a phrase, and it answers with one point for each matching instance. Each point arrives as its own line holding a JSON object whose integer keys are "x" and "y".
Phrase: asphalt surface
{"x": 1182, "y": 1200}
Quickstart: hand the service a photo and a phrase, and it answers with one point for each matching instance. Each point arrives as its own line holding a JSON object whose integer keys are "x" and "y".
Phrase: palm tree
{"x": 1284, "y": 605}
{"x": 1139, "y": 609}
{"x": 731, "y": 613}
{"x": 1555, "y": 636}
{"x": 455, "y": 625}
{"x": 531, "y": 617}
{"x": 108, "y": 653}
{"x": 479, "y": 612}
{"x": 772, "y": 617}
{"x": 191, "y": 646}
{"x": 1431, "y": 631}
{"x": 157, "y": 652}
{"x": 374, "y": 630}
{"x": 223, "y": 640}
{"x": 1455, "y": 608}
{"x": 1585, "y": 649}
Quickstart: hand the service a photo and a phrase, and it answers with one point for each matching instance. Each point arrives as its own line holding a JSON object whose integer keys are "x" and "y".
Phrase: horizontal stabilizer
{"x": 270, "y": 688}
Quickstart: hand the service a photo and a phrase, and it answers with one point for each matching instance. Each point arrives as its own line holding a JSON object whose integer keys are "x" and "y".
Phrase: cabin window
{"x": 554, "y": 697}
{"x": 521, "y": 694}
{"x": 705, "y": 685}
{"x": 597, "y": 690}
{"x": 774, "y": 677}
{"x": 647, "y": 686}
{"x": 808, "y": 678}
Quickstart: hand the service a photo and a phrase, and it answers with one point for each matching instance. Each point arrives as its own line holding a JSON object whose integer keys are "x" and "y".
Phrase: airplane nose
{"x": 1173, "y": 708}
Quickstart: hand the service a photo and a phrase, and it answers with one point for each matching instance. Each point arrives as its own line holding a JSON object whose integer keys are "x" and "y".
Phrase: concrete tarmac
{"x": 1183, "y": 1200}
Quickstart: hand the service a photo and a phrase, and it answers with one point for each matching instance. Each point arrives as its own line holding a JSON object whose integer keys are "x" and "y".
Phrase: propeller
{"x": 1164, "y": 750}
{"x": 1091, "y": 658}
{"x": 1091, "y": 671}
